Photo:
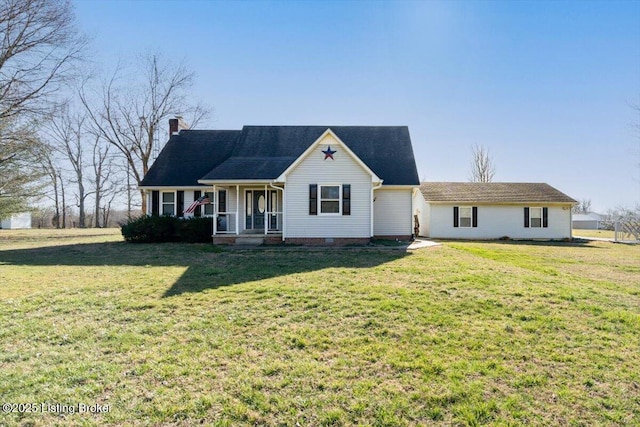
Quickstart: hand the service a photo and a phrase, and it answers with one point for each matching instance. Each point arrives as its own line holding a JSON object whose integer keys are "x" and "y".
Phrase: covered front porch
{"x": 246, "y": 210}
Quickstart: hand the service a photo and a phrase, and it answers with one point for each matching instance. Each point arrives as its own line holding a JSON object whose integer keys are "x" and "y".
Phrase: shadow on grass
{"x": 207, "y": 267}
{"x": 574, "y": 243}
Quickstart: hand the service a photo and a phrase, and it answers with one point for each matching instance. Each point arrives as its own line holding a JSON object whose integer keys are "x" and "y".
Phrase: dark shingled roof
{"x": 492, "y": 192}
{"x": 264, "y": 152}
{"x": 256, "y": 167}
{"x": 188, "y": 156}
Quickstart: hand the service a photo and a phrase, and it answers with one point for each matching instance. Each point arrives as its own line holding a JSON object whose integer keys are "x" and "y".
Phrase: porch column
{"x": 284, "y": 213}
{"x": 215, "y": 211}
{"x": 266, "y": 214}
{"x": 237, "y": 209}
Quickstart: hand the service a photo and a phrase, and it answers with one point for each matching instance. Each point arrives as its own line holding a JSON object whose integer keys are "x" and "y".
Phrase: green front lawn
{"x": 499, "y": 333}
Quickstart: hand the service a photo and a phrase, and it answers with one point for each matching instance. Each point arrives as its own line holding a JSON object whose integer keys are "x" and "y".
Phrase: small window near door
{"x": 329, "y": 199}
{"x": 168, "y": 203}
{"x": 249, "y": 203}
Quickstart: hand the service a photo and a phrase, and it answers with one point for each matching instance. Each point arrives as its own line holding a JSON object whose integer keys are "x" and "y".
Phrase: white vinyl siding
{"x": 496, "y": 221}
{"x": 315, "y": 170}
{"x": 392, "y": 212}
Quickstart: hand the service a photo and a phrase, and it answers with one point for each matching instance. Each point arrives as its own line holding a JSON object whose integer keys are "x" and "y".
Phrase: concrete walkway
{"x": 420, "y": 243}
{"x": 598, "y": 239}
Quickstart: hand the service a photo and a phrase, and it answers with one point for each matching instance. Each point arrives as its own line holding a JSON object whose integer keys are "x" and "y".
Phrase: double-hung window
{"x": 536, "y": 217}
{"x": 168, "y": 203}
{"x": 465, "y": 217}
{"x": 208, "y": 208}
{"x": 330, "y": 199}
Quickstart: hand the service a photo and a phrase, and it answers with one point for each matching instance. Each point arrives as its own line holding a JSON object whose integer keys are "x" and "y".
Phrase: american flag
{"x": 204, "y": 200}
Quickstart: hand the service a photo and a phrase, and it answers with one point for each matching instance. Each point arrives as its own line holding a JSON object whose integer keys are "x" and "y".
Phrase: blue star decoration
{"x": 328, "y": 153}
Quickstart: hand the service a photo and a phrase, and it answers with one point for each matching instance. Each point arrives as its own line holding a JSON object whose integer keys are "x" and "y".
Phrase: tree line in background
{"x": 75, "y": 142}
{"x": 83, "y": 141}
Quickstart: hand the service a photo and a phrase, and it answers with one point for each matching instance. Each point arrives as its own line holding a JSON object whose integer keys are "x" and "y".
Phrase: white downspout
{"x": 371, "y": 213}
{"x": 414, "y": 209}
{"x": 283, "y": 221}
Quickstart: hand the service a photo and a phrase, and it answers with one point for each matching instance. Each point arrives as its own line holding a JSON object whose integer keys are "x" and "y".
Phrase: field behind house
{"x": 496, "y": 333}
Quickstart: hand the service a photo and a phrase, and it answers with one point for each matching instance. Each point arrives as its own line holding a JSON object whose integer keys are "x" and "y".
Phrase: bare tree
{"x": 48, "y": 164}
{"x": 482, "y": 168}
{"x": 38, "y": 48}
{"x": 67, "y": 133}
{"x": 582, "y": 207}
{"x": 63, "y": 223}
{"x": 103, "y": 172}
{"x": 130, "y": 118}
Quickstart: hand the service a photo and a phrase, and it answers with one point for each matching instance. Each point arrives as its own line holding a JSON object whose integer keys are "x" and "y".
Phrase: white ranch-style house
{"x": 334, "y": 185}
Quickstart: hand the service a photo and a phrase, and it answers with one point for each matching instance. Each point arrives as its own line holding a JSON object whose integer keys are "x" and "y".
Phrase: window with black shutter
{"x": 536, "y": 217}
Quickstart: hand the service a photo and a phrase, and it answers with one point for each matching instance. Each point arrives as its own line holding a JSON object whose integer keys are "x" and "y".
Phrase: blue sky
{"x": 547, "y": 87}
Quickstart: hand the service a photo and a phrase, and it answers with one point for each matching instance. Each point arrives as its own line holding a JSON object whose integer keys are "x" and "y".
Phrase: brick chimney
{"x": 173, "y": 126}
{"x": 176, "y": 125}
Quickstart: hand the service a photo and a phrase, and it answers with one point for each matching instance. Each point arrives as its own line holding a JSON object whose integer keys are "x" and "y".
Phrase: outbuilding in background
{"x": 16, "y": 221}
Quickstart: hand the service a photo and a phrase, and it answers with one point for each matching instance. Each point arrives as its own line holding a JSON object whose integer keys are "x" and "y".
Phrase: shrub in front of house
{"x": 195, "y": 230}
{"x": 158, "y": 229}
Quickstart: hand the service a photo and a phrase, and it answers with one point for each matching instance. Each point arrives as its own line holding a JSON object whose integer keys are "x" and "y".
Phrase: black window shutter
{"x": 180, "y": 210}
{"x": 313, "y": 199}
{"x": 526, "y": 217}
{"x": 155, "y": 203}
{"x": 474, "y": 215}
{"x": 456, "y": 217}
{"x": 196, "y": 196}
{"x": 346, "y": 199}
{"x": 545, "y": 217}
{"x": 222, "y": 201}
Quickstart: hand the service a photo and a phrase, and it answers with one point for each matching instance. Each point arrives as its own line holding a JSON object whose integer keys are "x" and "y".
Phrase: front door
{"x": 259, "y": 205}
{"x": 255, "y": 206}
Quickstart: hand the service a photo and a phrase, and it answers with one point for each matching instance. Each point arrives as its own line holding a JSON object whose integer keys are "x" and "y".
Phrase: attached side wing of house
{"x": 463, "y": 210}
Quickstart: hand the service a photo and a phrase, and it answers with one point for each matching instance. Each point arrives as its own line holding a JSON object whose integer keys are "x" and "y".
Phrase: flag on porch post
{"x": 204, "y": 200}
